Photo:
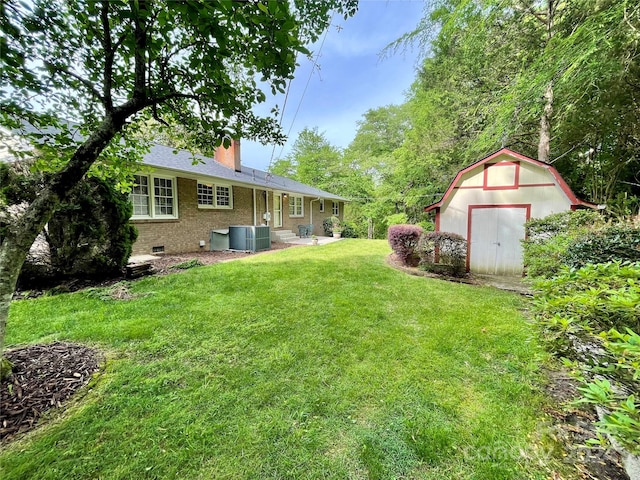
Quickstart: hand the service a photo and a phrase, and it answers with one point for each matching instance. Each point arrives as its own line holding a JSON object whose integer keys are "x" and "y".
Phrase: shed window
{"x": 501, "y": 176}
{"x": 336, "y": 208}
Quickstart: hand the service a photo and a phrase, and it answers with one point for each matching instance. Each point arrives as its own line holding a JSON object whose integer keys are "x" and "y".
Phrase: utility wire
{"x": 284, "y": 106}
{"x": 313, "y": 67}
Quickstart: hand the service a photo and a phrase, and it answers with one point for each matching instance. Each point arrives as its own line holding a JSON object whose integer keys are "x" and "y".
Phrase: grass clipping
{"x": 194, "y": 262}
{"x": 117, "y": 291}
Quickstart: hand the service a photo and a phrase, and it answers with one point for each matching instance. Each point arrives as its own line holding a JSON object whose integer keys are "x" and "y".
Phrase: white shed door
{"x": 495, "y": 236}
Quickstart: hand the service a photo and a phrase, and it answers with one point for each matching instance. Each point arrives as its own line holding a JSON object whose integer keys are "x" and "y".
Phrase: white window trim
{"x": 322, "y": 205}
{"x": 215, "y": 206}
{"x": 152, "y": 204}
{"x": 148, "y": 197}
{"x": 293, "y": 197}
{"x": 335, "y": 208}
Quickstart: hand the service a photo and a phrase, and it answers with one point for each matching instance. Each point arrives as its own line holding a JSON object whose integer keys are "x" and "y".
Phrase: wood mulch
{"x": 44, "y": 377}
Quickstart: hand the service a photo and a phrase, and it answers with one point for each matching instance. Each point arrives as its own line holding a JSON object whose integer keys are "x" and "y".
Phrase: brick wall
{"x": 194, "y": 224}
{"x": 291, "y": 223}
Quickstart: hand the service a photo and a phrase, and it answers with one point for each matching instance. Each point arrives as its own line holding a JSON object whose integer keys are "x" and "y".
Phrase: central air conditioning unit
{"x": 249, "y": 238}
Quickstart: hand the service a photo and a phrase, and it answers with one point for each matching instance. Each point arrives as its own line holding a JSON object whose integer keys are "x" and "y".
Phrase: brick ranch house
{"x": 176, "y": 203}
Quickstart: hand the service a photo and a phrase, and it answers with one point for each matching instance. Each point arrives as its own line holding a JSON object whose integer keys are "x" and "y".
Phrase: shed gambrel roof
{"x": 161, "y": 156}
{"x": 575, "y": 201}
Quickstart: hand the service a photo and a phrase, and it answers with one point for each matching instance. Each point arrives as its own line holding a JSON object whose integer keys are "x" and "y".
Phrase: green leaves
{"x": 576, "y": 310}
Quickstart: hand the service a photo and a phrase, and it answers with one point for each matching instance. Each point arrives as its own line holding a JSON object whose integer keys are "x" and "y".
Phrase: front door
{"x": 277, "y": 210}
{"x": 495, "y": 235}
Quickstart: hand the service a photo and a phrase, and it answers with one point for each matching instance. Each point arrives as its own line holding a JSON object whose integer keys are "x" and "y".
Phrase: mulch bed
{"x": 159, "y": 266}
{"x": 44, "y": 377}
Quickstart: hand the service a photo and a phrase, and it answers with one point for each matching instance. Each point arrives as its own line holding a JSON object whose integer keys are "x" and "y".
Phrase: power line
{"x": 313, "y": 67}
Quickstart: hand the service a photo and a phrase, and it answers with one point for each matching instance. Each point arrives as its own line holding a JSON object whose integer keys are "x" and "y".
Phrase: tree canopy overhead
{"x": 110, "y": 65}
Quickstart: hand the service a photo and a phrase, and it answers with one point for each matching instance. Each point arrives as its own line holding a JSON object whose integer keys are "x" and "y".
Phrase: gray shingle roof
{"x": 161, "y": 156}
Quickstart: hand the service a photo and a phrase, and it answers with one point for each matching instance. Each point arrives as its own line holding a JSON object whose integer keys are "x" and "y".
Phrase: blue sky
{"x": 352, "y": 77}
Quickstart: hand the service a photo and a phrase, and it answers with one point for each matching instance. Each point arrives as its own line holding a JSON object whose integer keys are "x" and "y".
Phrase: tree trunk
{"x": 11, "y": 259}
{"x": 23, "y": 232}
{"x": 544, "y": 145}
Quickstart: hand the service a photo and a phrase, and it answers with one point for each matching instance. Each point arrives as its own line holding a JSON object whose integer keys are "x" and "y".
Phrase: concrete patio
{"x": 309, "y": 241}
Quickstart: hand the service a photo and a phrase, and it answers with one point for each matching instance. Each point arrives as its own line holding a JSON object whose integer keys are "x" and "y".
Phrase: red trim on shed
{"x": 516, "y": 176}
{"x": 526, "y": 206}
{"x": 575, "y": 201}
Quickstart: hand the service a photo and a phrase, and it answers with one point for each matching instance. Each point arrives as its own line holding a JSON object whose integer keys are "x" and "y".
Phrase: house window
{"x": 140, "y": 196}
{"x": 205, "y": 194}
{"x": 322, "y": 204}
{"x": 153, "y": 197}
{"x": 214, "y": 196}
{"x": 336, "y": 208}
{"x": 295, "y": 206}
{"x": 163, "y": 196}
{"x": 223, "y": 196}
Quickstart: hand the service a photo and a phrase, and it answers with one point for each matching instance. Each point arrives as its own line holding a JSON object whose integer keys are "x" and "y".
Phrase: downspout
{"x": 266, "y": 206}
{"x": 255, "y": 209}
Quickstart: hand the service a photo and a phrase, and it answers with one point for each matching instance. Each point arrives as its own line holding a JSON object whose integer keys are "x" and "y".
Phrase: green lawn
{"x": 310, "y": 362}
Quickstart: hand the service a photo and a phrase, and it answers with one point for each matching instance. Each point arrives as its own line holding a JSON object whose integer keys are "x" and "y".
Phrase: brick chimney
{"x": 229, "y": 157}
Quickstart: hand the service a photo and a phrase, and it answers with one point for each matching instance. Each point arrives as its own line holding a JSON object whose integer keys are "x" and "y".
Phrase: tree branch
{"x": 89, "y": 85}
{"x": 140, "y": 75}
{"x": 172, "y": 96}
{"x": 109, "y": 53}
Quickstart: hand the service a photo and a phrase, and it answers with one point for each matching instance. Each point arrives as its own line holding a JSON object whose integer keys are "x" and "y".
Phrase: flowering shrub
{"x": 443, "y": 252}
{"x": 404, "y": 241}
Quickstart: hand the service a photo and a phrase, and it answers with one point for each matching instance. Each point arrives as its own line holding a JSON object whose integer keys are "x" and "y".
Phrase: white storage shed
{"x": 489, "y": 202}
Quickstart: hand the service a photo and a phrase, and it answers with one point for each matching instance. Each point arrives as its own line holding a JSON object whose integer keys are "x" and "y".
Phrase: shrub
{"x": 549, "y": 238}
{"x": 90, "y": 235}
{"x": 581, "y": 313}
{"x": 596, "y": 297}
{"x": 349, "y": 230}
{"x": 328, "y": 224}
{"x": 619, "y": 242}
{"x": 427, "y": 225}
{"x": 443, "y": 253}
{"x": 404, "y": 241}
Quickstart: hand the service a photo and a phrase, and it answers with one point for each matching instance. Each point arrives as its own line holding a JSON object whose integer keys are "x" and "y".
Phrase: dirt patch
{"x": 160, "y": 266}
{"x": 44, "y": 377}
{"x": 573, "y": 427}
